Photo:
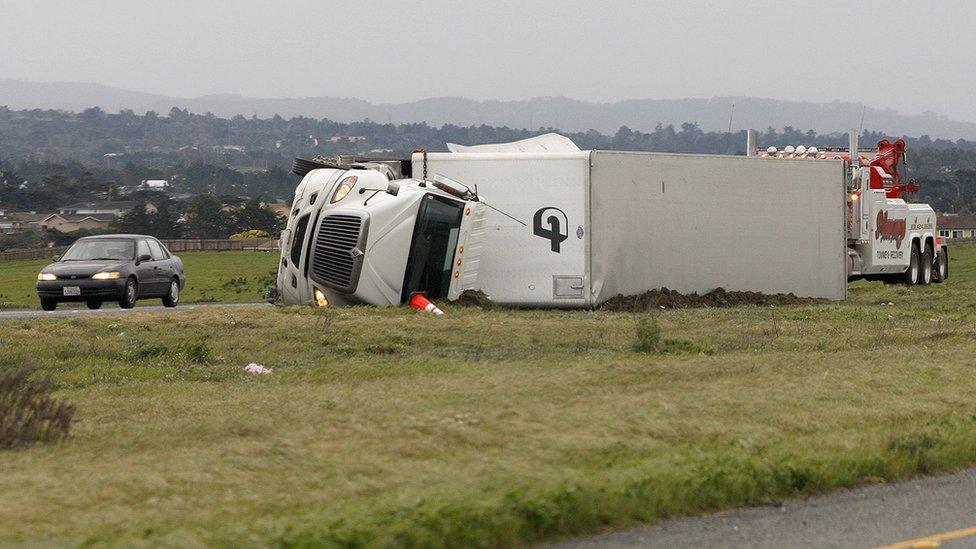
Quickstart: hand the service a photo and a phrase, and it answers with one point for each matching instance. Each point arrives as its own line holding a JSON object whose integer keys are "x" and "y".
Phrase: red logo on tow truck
{"x": 890, "y": 229}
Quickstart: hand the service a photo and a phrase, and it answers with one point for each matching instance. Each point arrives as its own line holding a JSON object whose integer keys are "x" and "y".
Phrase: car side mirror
{"x": 143, "y": 257}
{"x": 56, "y": 258}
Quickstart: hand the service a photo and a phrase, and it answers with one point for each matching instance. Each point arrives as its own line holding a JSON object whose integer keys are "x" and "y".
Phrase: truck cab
{"x": 350, "y": 226}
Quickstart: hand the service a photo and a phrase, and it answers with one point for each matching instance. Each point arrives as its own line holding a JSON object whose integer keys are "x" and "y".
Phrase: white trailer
{"x": 540, "y": 223}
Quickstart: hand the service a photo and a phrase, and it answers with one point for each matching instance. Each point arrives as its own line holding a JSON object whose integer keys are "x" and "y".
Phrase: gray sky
{"x": 912, "y": 56}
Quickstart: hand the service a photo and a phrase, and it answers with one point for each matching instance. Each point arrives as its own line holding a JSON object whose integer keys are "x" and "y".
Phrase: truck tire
{"x": 302, "y": 166}
{"x": 925, "y": 269}
{"x": 941, "y": 268}
{"x": 910, "y": 277}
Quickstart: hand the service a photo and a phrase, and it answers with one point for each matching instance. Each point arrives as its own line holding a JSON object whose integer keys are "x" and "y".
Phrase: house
{"x": 69, "y": 223}
{"x": 18, "y": 222}
{"x": 116, "y": 208}
{"x": 155, "y": 184}
{"x": 954, "y": 225}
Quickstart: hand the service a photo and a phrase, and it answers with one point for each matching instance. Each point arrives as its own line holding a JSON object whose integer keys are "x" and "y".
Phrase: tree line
{"x": 62, "y": 155}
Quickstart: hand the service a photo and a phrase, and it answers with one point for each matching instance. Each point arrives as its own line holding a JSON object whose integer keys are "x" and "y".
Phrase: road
{"x": 108, "y": 309}
{"x": 936, "y": 511}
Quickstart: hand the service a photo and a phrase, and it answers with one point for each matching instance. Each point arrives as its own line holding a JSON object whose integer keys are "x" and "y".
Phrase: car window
{"x": 156, "y": 250}
{"x": 99, "y": 249}
{"x": 142, "y": 248}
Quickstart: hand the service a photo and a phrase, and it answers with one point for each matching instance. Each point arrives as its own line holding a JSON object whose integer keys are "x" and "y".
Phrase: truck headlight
{"x": 108, "y": 275}
{"x": 320, "y": 299}
{"x": 343, "y": 189}
{"x": 46, "y": 276}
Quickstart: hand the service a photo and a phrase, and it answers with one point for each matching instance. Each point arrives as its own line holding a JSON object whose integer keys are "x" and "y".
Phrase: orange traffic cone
{"x": 421, "y": 303}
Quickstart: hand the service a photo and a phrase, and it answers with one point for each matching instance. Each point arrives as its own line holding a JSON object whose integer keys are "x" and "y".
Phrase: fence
{"x": 175, "y": 246}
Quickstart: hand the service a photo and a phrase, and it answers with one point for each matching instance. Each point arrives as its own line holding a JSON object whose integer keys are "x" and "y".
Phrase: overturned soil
{"x": 719, "y": 297}
{"x": 473, "y": 298}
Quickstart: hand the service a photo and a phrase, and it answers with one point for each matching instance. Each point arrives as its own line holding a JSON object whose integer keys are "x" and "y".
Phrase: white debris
{"x": 890, "y": 303}
{"x": 257, "y": 369}
{"x": 891, "y": 316}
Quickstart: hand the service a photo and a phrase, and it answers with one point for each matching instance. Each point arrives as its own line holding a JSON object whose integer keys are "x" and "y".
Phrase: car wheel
{"x": 172, "y": 297}
{"x": 128, "y": 299}
{"x": 94, "y": 304}
{"x": 49, "y": 304}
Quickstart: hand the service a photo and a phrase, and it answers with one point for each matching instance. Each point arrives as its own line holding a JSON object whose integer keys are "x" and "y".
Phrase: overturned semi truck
{"x": 541, "y": 223}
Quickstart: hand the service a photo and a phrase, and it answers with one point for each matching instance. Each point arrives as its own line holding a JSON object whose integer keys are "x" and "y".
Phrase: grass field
{"x": 391, "y": 427}
{"x": 226, "y": 277}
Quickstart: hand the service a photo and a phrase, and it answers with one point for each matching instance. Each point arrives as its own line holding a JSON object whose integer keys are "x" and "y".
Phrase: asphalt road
{"x": 931, "y": 512}
{"x": 110, "y": 309}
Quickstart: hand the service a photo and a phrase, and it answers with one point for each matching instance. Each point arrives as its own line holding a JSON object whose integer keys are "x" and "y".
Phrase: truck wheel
{"x": 925, "y": 270}
{"x": 941, "y": 268}
{"x": 910, "y": 277}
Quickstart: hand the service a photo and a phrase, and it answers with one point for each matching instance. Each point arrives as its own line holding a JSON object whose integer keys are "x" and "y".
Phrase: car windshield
{"x": 100, "y": 249}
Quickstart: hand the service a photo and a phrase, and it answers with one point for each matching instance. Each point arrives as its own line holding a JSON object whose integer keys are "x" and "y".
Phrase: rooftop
{"x": 106, "y": 205}
{"x": 956, "y": 221}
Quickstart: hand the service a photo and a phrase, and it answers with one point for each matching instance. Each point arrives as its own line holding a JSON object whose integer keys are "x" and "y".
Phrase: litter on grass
{"x": 257, "y": 369}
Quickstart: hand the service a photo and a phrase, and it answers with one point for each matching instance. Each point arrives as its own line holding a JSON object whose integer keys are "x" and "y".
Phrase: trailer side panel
{"x": 693, "y": 223}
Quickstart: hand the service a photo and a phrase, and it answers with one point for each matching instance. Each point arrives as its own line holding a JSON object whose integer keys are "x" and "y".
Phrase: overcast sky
{"x": 912, "y": 56}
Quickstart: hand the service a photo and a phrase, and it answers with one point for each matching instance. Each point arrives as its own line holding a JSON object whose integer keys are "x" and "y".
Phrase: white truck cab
{"x": 349, "y": 227}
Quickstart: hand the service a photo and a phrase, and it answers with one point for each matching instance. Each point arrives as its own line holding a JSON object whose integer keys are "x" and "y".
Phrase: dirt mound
{"x": 473, "y": 298}
{"x": 719, "y": 297}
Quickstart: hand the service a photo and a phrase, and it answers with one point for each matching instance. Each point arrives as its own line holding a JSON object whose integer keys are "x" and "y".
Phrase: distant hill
{"x": 558, "y": 112}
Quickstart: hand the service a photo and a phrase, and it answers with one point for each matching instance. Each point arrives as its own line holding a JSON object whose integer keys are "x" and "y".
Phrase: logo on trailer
{"x": 890, "y": 229}
{"x": 551, "y": 223}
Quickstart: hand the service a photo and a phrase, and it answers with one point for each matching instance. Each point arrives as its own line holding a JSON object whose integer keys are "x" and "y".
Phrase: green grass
{"x": 491, "y": 428}
{"x": 225, "y": 277}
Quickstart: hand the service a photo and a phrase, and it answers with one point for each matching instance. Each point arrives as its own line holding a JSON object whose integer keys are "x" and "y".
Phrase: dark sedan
{"x": 116, "y": 267}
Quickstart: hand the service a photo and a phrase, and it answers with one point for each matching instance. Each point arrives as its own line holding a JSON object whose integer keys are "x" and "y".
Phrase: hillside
{"x": 711, "y": 114}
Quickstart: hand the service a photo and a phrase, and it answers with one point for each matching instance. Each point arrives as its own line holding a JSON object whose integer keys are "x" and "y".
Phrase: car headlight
{"x": 108, "y": 275}
{"x": 320, "y": 300}
{"x": 46, "y": 276}
{"x": 343, "y": 189}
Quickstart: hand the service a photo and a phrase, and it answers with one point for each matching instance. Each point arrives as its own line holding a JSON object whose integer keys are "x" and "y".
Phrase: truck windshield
{"x": 435, "y": 238}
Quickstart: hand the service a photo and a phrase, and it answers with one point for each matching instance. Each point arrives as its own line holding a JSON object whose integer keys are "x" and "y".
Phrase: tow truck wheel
{"x": 925, "y": 272}
{"x": 941, "y": 267}
{"x": 911, "y": 275}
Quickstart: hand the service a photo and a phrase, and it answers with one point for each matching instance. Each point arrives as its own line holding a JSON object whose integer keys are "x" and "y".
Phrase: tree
{"x": 205, "y": 219}
{"x": 136, "y": 220}
{"x": 255, "y": 215}
{"x": 165, "y": 221}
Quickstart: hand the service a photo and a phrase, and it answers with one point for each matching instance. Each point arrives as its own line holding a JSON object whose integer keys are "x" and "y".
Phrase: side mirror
{"x": 143, "y": 257}
{"x": 393, "y": 188}
{"x": 56, "y": 258}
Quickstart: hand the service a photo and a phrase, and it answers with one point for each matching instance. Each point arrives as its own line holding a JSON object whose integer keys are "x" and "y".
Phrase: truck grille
{"x": 337, "y": 256}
